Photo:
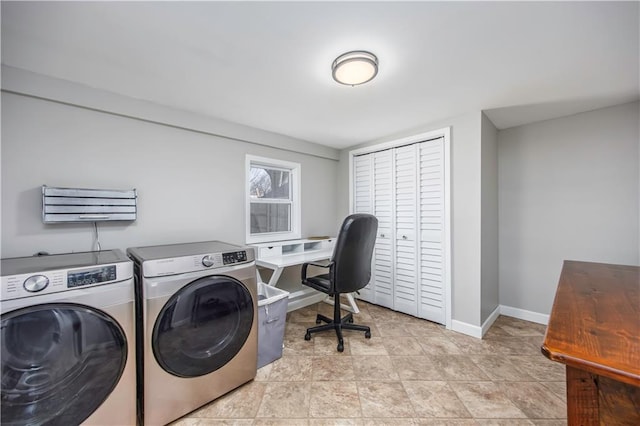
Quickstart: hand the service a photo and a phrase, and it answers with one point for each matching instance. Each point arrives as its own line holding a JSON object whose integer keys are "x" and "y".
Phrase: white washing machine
{"x": 197, "y": 325}
{"x": 68, "y": 348}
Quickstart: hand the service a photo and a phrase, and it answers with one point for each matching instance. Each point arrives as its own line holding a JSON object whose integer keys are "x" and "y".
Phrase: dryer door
{"x": 203, "y": 326}
{"x": 60, "y": 361}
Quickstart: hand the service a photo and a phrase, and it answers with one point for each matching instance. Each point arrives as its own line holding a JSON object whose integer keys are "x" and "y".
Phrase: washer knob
{"x": 207, "y": 261}
{"x": 36, "y": 283}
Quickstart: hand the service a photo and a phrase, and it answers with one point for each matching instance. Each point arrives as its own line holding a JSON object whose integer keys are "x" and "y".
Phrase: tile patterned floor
{"x": 411, "y": 372}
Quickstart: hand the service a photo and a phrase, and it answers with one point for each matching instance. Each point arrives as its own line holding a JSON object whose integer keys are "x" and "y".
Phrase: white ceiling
{"x": 267, "y": 64}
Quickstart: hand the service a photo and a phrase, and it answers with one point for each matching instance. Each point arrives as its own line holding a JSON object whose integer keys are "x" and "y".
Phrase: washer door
{"x": 60, "y": 362}
{"x": 203, "y": 326}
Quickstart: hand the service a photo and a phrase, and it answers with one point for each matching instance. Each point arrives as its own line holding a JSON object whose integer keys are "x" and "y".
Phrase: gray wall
{"x": 489, "y": 226}
{"x": 190, "y": 184}
{"x": 569, "y": 189}
{"x": 465, "y": 206}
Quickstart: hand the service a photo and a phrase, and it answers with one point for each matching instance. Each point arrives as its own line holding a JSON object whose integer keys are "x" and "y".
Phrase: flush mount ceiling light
{"x": 356, "y": 67}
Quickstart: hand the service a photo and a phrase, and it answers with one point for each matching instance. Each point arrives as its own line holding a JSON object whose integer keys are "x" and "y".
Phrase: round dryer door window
{"x": 203, "y": 326}
{"x": 59, "y": 363}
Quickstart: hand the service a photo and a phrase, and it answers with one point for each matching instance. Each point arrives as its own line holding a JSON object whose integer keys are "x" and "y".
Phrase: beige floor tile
{"x": 389, "y": 422}
{"x": 499, "y": 368}
{"x": 334, "y": 400}
{"x": 286, "y": 400}
{"x": 439, "y": 345}
{"x": 381, "y": 314}
{"x": 384, "y": 399}
{"x": 304, "y": 315}
{"x": 434, "y": 399}
{"x": 486, "y": 400}
{"x": 361, "y": 346}
{"x": 327, "y": 345}
{"x": 281, "y": 422}
{"x": 417, "y": 368}
{"x": 558, "y": 388}
{"x": 243, "y": 403}
{"x": 336, "y": 422}
{"x": 535, "y": 400}
{"x": 190, "y": 421}
{"x": 516, "y": 327}
{"x": 294, "y": 343}
{"x": 393, "y": 329}
{"x": 263, "y": 373}
{"x": 297, "y": 329}
{"x": 402, "y": 345}
{"x": 409, "y": 372}
{"x": 509, "y": 345}
{"x": 470, "y": 345}
{"x": 458, "y": 367}
{"x": 332, "y": 368}
{"x": 291, "y": 369}
{"x": 540, "y": 368}
{"x": 374, "y": 367}
{"x": 424, "y": 329}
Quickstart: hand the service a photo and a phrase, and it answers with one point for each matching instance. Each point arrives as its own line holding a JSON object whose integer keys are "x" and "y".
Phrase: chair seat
{"x": 320, "y": 282}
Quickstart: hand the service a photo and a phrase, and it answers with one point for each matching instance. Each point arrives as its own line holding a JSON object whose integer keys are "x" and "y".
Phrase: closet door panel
{"x": 363, "y": 203}
{"x": 383, "y": 210}
{"x": 405, "y": 277}
{"x": 431, "y": 250}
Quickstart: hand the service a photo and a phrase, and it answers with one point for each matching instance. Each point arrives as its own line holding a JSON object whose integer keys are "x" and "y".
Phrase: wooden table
{"x": 594, "y": 328}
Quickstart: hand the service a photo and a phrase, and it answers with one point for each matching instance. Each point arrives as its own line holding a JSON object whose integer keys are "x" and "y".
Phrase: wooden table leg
{"x": 582, "y": 398}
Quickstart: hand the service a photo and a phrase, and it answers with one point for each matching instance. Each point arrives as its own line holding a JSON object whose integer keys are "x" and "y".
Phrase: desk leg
{"x": 352, "y": 302}
{"x": 582, "y": 398}
{"x": 275, "y": 276}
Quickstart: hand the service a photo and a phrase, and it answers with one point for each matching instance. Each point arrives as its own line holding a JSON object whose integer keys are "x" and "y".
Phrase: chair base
{"x": 338, "y": 324}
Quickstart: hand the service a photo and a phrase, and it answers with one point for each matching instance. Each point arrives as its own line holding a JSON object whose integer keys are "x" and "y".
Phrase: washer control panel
{"x": 52, "y": 281}
{"x": 234, "y": 257}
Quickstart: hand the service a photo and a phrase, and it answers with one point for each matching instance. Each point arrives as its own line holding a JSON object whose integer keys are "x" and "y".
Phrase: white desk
{"x": 279, "y": 255}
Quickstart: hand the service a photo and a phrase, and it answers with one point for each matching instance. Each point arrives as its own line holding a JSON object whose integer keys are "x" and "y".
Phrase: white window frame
{"x": 295, "y": 201}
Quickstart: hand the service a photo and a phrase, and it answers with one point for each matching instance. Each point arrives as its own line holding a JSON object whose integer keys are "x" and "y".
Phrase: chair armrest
{"x": 303, "y": 271}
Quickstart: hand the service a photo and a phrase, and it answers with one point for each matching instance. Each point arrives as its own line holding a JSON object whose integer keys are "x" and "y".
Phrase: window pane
{"x": 267, "y": 217}
{"x": 265, "y": 182}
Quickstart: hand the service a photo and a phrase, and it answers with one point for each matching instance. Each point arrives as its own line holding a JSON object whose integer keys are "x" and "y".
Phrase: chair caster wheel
{"x": 307, "y": 336}
{"x": 318, "y": 321}
{"x": 340, "y": 347}
{"x": 350, "y": 320}
{"x": 367, "y": 335}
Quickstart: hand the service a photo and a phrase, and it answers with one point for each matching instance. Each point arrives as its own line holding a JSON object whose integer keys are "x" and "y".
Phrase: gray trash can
{"x": 272, "y": 315}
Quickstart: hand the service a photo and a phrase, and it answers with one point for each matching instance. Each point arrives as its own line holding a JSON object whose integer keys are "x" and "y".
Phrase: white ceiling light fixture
{"x": 355, "y": 67}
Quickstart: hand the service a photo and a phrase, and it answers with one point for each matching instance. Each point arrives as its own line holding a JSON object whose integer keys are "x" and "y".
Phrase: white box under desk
{"x": 278, "y": 255}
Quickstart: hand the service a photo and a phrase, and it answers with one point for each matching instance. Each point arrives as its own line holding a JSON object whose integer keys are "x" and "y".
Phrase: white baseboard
{"x": 468, "y": 329}
{"x": 489, "y": 321}
{"x": 523, "y": 314}
{"x": 479, "y": 332}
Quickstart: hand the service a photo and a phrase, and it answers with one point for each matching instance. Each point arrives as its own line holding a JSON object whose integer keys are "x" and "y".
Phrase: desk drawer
{"x": 269, "y": 251}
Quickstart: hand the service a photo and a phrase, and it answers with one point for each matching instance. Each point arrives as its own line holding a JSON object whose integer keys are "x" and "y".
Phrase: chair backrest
{"x": 354, "y": 249}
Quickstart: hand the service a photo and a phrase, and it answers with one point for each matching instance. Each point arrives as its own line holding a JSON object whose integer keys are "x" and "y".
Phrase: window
{"x": 273, "y": 200}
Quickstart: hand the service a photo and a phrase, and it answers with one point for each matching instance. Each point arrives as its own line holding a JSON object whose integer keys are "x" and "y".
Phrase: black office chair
{"x": 349, "y": 271}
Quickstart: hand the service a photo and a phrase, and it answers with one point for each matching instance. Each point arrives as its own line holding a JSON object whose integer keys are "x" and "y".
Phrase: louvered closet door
{"x": 363, "y": 203}
{"x": 405, "y": 276}
{"x": 431, "y": 265}
{"x": 383, "y": 209}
